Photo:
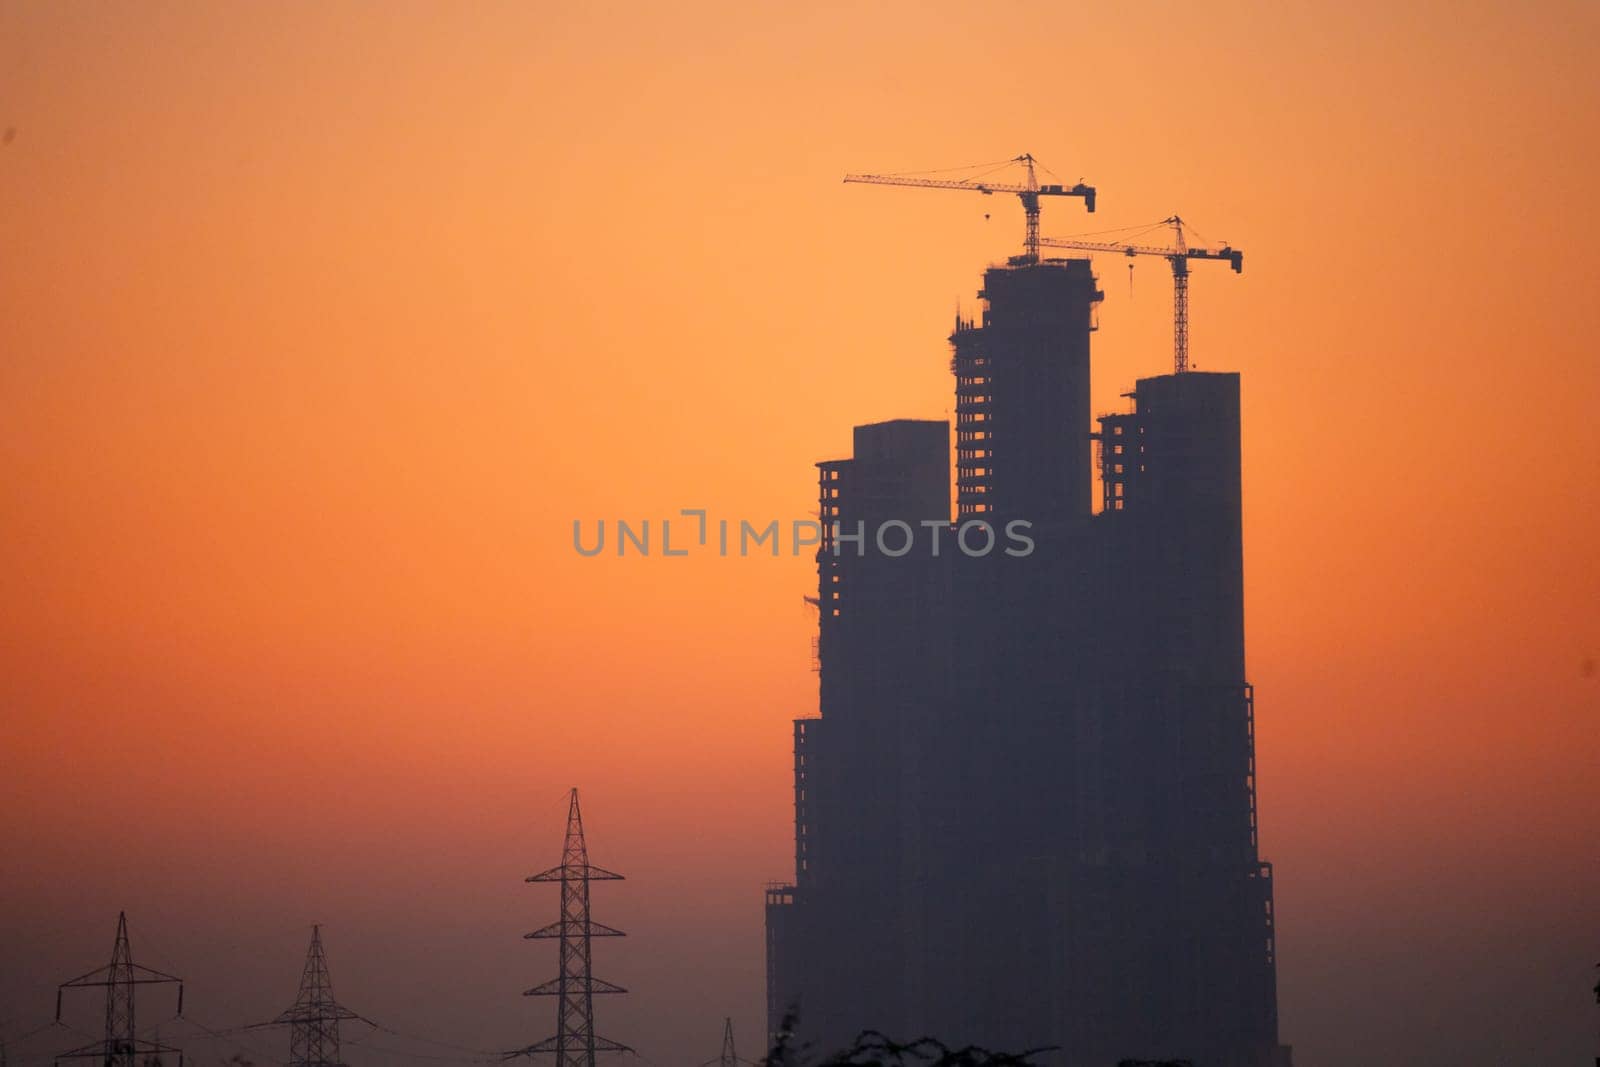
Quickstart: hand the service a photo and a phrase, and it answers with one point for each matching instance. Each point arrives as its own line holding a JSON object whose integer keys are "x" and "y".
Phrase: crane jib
{"x": 1028, "y": 192}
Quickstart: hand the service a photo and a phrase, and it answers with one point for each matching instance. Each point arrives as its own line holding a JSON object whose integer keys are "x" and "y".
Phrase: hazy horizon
{"x": 321, "y": 325}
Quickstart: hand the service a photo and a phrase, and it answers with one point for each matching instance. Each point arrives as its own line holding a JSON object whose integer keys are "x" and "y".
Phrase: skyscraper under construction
{"x": 1025, "y": 816}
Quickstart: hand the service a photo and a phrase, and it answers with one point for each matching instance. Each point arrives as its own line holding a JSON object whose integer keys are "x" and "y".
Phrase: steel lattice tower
{"x": 121, "y": 1046}
{"x": 729, "y": 1058}
{"x": 576, "y": 1042}
{"x": 314, "y": 1019}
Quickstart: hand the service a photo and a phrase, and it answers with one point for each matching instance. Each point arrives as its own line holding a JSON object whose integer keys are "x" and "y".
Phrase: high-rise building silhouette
{"x": 1025, "y": 816}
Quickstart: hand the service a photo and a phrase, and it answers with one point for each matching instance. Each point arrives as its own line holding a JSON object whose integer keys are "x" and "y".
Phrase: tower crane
{"x": 1029, "y": 192}
{"x": 1179, "y": 255}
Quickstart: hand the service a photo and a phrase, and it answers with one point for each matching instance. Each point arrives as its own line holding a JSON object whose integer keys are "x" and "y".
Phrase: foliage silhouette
{"x": 874, "y": 1049}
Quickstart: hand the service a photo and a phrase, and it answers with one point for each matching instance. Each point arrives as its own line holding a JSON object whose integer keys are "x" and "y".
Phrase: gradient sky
{"x": 320, "y": 323}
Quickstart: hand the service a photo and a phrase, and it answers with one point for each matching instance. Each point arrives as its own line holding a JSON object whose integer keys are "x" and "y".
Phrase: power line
{"x": 486, "y": 1053}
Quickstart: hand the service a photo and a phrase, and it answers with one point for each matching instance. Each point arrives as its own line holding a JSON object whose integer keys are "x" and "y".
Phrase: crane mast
{"x": 1028, "y": 191}
{"x": 1178, "y": 256}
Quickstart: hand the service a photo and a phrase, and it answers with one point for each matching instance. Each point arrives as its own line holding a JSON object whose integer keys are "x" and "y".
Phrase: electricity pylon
{"x": 314, "y": 1018}
{"x": 575, "y": 1043}
{"x": 121, "y": 1046}
{"x": 728, "y": 1058}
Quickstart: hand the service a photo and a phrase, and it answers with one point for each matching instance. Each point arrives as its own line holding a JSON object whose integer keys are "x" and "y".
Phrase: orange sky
{"x": 320, "y": 324}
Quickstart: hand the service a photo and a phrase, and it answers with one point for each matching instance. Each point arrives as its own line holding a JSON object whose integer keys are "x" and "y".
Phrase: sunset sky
{"x": 321, "y": 323}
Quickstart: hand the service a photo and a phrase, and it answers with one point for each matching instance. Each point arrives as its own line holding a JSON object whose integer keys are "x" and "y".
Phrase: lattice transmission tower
{"x": 729, "y": 1058}
{"x": 313, "y": 1020}
{"x": 121, "y": 1046}
{"x": 575, "y": 1043}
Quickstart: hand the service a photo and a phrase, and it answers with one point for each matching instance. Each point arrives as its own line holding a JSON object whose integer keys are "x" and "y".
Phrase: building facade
{"x": 1025, "y": 814}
